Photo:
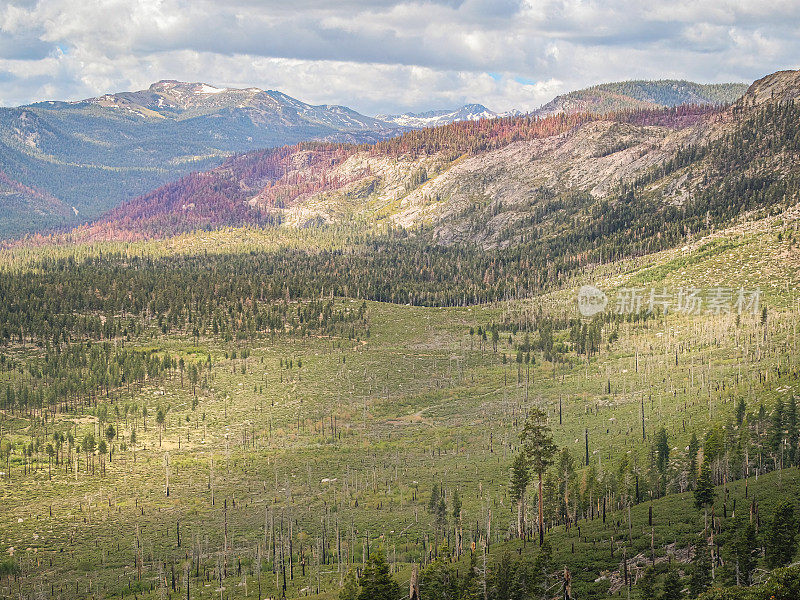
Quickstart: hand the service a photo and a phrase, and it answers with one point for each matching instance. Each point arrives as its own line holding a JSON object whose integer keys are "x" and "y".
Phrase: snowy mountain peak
{"x": 269, "y": 109}
{"x": 196, "y": 87}
{"x": 433, "y": 118}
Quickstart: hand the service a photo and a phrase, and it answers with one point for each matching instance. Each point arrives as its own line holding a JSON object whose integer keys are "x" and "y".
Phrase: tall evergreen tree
{"x": 662, "y": 451}
{"x": 471, "y": 588}
{"x": 700, "y": 577}
{"x": 672, "y": 588}
{"x": 792, "y": 433}
{"x": 741, "y": 410}
{"x": 456, "y": 502}
{"x": 694, "y": 448}
{"x": 501, "y": 586}
{"x": 775, "y": 435}
{"x": 376, "y": 581}
{"x": 441, "y": 516}
{"x": 782, "y": 536}
{"x": 647, "y": 584}
{"x": 439, "y": 581}
{"x": 350, "y": 587}
{"x": 433, "y": 502}
{"x": 537, "y": 442}
{"x": 744, "y": 549}
{"x": 543, "y": 566}
{"x": 565, "y": 471}
{"x": 704, "y": 489}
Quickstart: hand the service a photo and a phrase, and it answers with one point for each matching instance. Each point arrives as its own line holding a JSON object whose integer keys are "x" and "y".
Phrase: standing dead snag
{"x": 166, "y": 469}
{"x": 520, "y": 478}
{"x": 586, "y": 438}
{"x": 413, "y": 587}
{"x": 567, "y": 584}
{"x": 644, "y": 435}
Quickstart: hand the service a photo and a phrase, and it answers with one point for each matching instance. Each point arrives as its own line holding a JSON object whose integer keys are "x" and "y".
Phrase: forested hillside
{"x": 626, "y": 95}
{"x": 406, "y": 180}
{"x": 164, "y": 401}
{"x": 514, "y": 359}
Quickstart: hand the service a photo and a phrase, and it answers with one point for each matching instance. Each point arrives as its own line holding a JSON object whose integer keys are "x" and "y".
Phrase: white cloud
{"x": 388, "y": 56}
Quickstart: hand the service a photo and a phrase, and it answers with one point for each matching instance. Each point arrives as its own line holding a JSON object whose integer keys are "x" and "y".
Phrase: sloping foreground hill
{"x": 422, "y": 400}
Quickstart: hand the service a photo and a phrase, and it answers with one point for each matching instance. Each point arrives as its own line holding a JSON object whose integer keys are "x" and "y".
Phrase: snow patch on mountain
{"x": 210, "y": 89}
{"x": 434, "y": 118}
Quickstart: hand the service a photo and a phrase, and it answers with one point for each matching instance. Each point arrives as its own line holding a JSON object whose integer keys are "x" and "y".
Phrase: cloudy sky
{"x": 387, "y": 55}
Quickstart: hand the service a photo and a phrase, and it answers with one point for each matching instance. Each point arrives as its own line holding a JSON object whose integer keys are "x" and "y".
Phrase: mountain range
{"x": 64, "y": 163}
{"x": 654, "y": 173}
{"x": 86, "y": 157}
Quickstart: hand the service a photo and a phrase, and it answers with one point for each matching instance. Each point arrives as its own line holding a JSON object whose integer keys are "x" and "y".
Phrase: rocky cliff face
{"x": 781, "y": 86}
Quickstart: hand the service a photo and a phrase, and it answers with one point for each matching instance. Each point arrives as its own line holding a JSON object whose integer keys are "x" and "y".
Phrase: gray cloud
{"x": 388, "y": 55}
{"x": 23, "y": 47}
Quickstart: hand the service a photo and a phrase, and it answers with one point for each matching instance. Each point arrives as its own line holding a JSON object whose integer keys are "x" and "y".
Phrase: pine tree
{"x": 775, "y": 435}
{"x": 714, "y": 445}
{"x": 523, "y": 582}
{"x": 792, "y": 433}
{"x": 110, "y": 435}
{"x": 647, "y": 584}
{"x": 743, "y": 448}
{"x": 543, "y": 566}
{"x": 662, "y": 450}
{"x": 102, "y": 447}
{"x": 502, "y": 583}
{"x": 456, "y": 502}
{"x": 744, "y": 548}
{"x": 694, "y": 447}
{"x": 434, "y": 499}
{"x": 537, "y": 442}
{"x": 350, "y": 587}
{"x": 376, "y": 582}
{"x": 441, "y": 516}
{"x": 782, "y": 536}
{"x": 438, "y": 581}
{"x": 741, "y": 410}
{"x": 471, "y": 588}
{"x": 704, "y": 488}
{"x": 564, "y": 472}
{"x": 700, "y": 578}
{"x": 672, "y": 588}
